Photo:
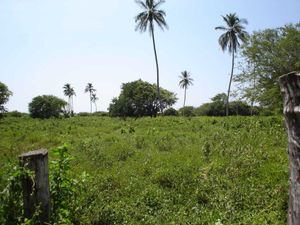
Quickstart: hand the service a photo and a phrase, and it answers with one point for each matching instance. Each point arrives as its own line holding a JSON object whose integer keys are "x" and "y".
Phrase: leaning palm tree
{"x": 145, "y": 21}
{"x": 69, "y": 92}
{"x": 89, "y": 88}
{"x": 185, "y": 82}
{"x": 234, "y": 31}
{"x": 94, "y": 98}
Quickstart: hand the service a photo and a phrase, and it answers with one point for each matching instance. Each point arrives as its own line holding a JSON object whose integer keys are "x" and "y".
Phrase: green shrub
{"x": 170, "y": 112}
{"x": 46, "y": 106}
{"x": 187, "y": 111}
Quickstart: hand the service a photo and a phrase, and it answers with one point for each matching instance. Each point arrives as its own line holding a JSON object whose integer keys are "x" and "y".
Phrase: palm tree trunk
{"x": 156, "y": 61}
{"x": 184, "y": 97}
{"x": 228, "y": 93}
{"x": 72, "y": 105}
{"x": 96, "y": 106}
{"x": 91, "y": 102}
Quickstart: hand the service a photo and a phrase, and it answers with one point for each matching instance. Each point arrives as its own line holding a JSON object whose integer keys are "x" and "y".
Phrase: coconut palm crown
{"x": 229, "y": 40}
{"x": 145, "y": 20}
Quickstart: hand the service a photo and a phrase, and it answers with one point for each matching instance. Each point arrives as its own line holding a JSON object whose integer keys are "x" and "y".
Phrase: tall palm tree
{"x": 90, "y": 88}
{"x": 185, "y": 82}
{"x": 234, "y": 31}
{"x": 94, "y": 98}
{"x": 69, "y": 92}
{"x": 145, "y": 21}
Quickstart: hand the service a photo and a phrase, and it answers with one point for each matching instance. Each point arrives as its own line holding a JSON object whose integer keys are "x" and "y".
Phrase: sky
{"x": 46, "y": 44}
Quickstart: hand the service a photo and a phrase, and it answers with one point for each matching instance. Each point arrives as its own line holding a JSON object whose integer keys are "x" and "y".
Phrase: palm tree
{"x": 69, "y": 92}
{"x": 234, "y": 31}
{"x": 94, "y": 98}
{"x": 145, "y": 21}
{"x": 185, "y": 82}
{"x": 89, "y": 88}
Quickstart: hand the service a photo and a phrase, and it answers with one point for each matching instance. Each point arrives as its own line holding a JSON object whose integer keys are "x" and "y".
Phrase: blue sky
{"x": 45, "y": 44}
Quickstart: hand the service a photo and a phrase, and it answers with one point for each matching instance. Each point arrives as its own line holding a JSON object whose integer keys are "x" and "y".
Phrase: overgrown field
{"x": 165, "y": 170}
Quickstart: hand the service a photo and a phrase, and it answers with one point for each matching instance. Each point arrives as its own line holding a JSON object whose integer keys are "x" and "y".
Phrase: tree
{"x": 145, "y": 21}
{"x": 89, "y": 88}
{"x": 234, "y": 31}
{"x": 46, "y": 106}
{"x": 4, "y": 96}
{"x": 266, "y": 56}
{"x": 185, "y": 82}
{"x": 138, "y": 98}
{"x": 69, "y": 92}
{"x": 94, "y": 98}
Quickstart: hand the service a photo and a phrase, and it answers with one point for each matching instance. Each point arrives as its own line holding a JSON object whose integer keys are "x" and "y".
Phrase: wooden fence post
{"x": 36, "y": 194}
{"x": 290, "y": 89}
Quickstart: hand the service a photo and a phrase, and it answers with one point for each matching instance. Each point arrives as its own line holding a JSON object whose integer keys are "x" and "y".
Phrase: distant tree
{"x": 4, "y": 96}
{"x": 46, "y": 106}
{"x": 138, "y": 98}
{"x": 90, "y": 89}
{"x": 146, "y": 20}
{"x": 94, "y": 98}
{"x": 170, "y": 112}
{"x": 185, "y": 82}
{"x": 267, "y": 55}
{"x": 187, "y": 111}
{"x": 218, "y": 107}
{"x": 234, "y": 31}
{"x": 69, "y": 92}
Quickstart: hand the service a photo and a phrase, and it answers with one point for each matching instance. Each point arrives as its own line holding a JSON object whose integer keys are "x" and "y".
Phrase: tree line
{"x": 264, "y": 56}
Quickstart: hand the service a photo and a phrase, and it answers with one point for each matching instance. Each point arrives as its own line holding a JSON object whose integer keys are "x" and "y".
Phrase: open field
{"x": 166, "y": 170}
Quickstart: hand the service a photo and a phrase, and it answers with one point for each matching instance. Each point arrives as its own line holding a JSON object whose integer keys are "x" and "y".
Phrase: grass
{"x": 167, "y": 170}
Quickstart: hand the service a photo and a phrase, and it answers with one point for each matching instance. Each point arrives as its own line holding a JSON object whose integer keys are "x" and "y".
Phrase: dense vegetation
{"x": 4, "y": 96}
{"x": 139, "y": 98}
{"x": 164, "y": 170}
{"x": 267, "y": 55}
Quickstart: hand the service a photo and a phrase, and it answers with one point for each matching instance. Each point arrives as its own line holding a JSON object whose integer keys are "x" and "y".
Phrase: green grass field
{"x": 166, "y": 170}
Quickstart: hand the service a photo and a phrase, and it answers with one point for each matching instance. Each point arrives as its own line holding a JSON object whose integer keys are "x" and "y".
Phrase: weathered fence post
{"x": 36, "y": 195}
{"x": 290, "y": 89}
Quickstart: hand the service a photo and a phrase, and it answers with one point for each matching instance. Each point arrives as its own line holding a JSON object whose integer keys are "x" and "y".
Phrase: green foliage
{"x": 187, "y": 111}
{"x": 170, "y": 112}
{"x": 4, "y": 96}
{"x": 66, "y": 203}
{"x": 217, "y": 107}
{"x": 46, "y": 106}
{"x": 163, "y": 170}
{"x": 139, "y": 98}
{"x": 16, "y": 114}
{"x": 268, "y": 54}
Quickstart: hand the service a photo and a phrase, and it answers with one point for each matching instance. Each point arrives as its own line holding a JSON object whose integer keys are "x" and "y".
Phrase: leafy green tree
{"x": 267, "y": 55}
{"x": 4, "y": 96}
{"x": 146, "y": 20}
{"x": 69, "y": 92}
{"x": 138, "y": 98}
{"x": 170, "y": 112}
{"x": 46, "y": 106}
{"x": 185, "y": 82}
{"x": 234, "y": 31}
{"x": 91, "y": 90}
{"x": 187, "y": 111}
{"x": 94, "y": 99}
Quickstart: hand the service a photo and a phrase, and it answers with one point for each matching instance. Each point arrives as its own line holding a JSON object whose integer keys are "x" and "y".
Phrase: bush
{"x": 187, "y": 111}
{"x": 170, "y": 112}
{"x": 100, "y": 113}
{"x": 83, "y": 114}
{"x": 15, "y": 114}
{"x": 4, "y": 96}
{"x": 46, "y": 106}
